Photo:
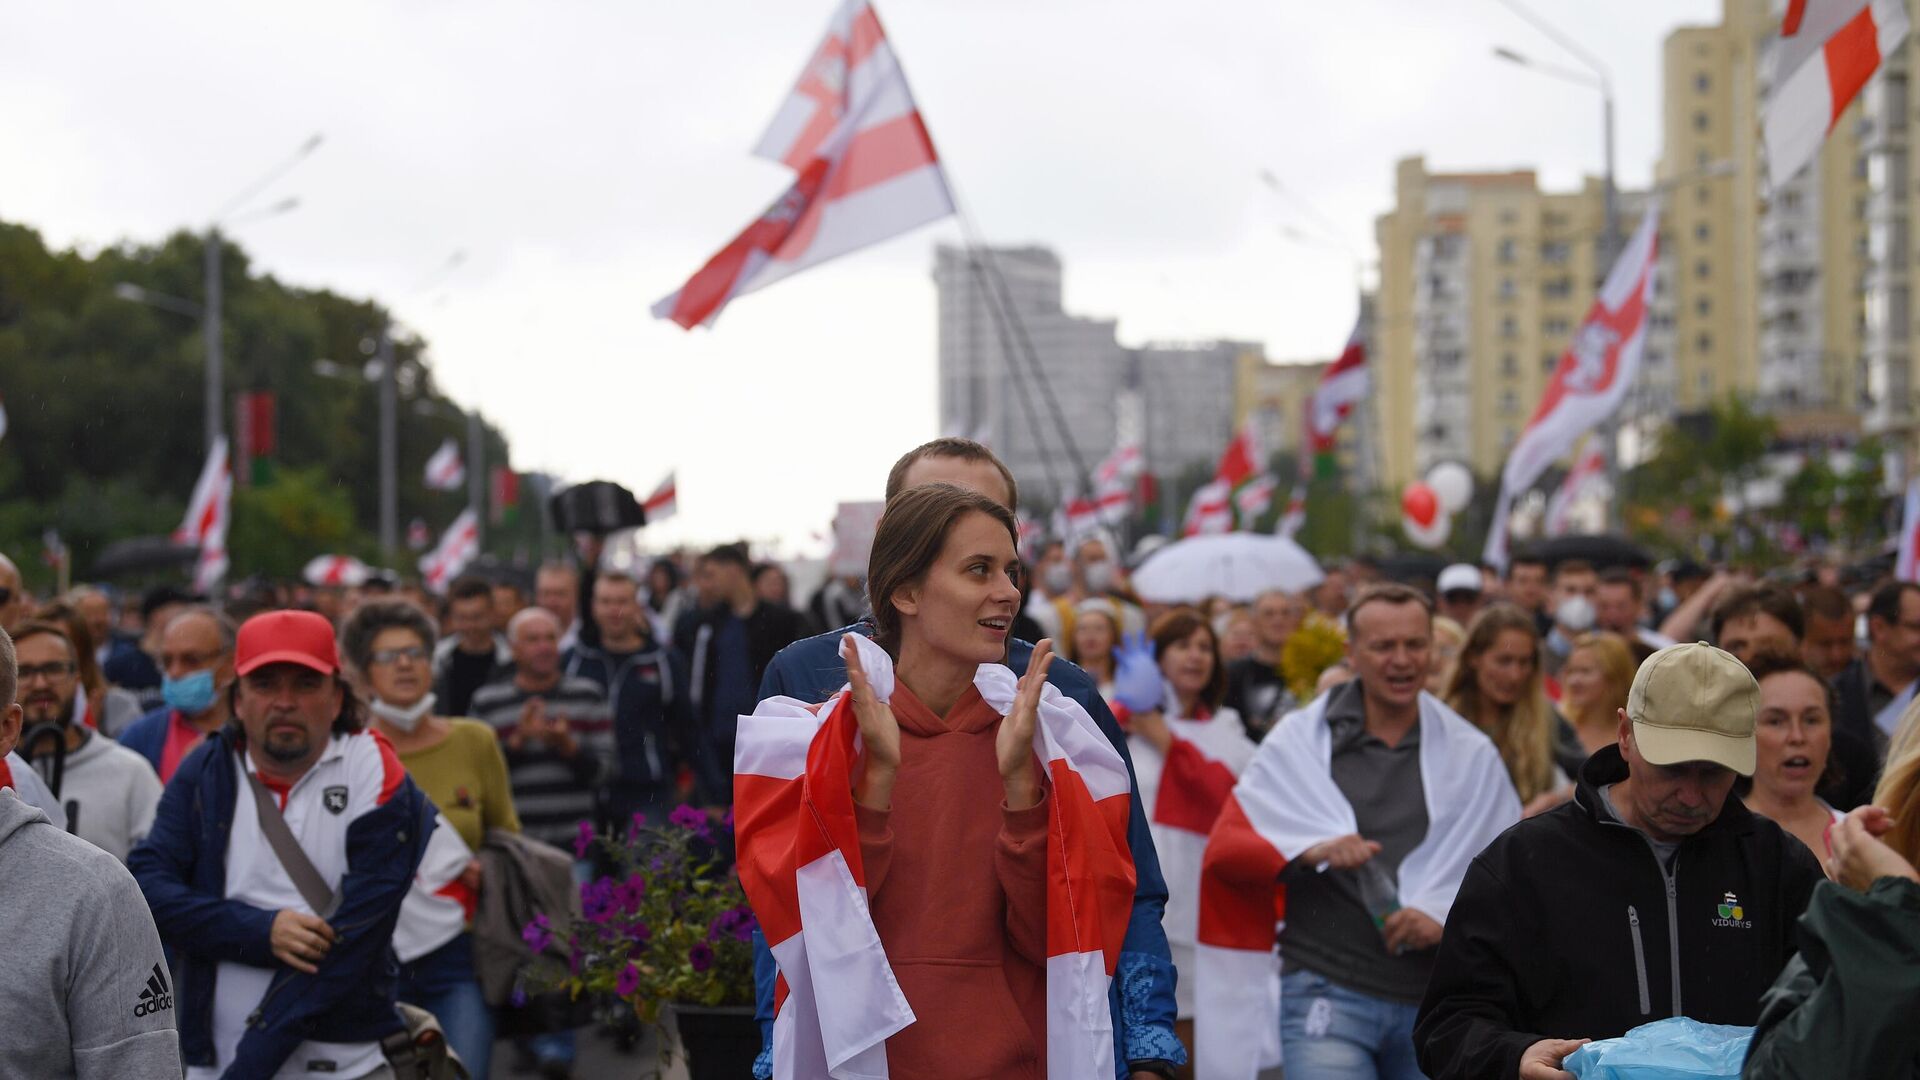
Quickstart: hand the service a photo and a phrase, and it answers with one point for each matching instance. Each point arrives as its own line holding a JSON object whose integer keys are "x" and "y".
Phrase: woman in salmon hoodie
{"x": 950, "y": 799}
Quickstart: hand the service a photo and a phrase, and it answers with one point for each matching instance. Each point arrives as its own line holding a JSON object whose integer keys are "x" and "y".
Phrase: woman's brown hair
{"x": 1615, "y": 660}
{"x": 1177, "y": 626}
{"x": 913, "y": 529}
{"x": 1524, "y": 733}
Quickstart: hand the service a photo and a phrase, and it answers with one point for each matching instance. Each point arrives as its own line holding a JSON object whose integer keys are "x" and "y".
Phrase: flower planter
{"x": 720, "y": 1041}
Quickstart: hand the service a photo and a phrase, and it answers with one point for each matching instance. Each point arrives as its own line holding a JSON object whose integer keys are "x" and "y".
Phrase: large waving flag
{"x": 836, "y": 1000}
{"x": 663, "y": 502}
{"x": 1343, "y": 385}
{"x": 1589, "y": 467}
{"x": 205, "y": 524}
{"x": 458, "y": 546}
{"x": 865, "y": 170}
{"x": 1827, "y": 50}
{"x": 1592, "y": 379}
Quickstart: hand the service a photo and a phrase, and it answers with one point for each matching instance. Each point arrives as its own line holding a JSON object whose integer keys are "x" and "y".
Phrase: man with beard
{"x": 109, "y": 792}
{"x": 277, "y": 865}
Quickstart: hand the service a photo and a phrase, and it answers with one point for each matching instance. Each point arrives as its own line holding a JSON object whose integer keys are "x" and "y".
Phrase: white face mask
{"x": 1575, "y": 613}
{"x": 1100, "y": 576}
{"x": 404, "y": 719}
{"x": 1057, "y": 578}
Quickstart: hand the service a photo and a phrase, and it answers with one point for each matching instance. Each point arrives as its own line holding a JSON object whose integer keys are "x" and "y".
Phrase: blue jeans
{"x": 1329, "y": 1032}
{"x": 443, "y": 983}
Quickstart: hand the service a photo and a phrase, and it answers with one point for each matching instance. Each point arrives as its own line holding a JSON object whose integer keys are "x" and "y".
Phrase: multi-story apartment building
{"x": 1177, "y": 398}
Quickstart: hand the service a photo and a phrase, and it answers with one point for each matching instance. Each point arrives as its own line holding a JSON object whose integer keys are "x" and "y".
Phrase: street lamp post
{"x": 389, "y": 419}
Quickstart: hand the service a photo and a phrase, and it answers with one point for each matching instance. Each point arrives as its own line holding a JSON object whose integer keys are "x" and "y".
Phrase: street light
{"x": 389, "y": 414}
{"x": 211, "y": 311}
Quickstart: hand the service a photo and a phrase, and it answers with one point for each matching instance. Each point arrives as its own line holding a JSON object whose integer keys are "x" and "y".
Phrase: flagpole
{"x": 970, "y": 237}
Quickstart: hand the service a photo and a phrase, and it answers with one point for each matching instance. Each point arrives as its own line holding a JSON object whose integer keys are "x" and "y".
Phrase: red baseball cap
{"x": 286, "y": 637}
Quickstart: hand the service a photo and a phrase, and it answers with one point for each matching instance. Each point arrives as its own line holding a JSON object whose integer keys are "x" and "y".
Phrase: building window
{"x": 1509, "y": 328}
{"x": 1508, "y": 217}
{"x": 1702, "y": 231}
{"x": 1706, "y": 382}
{"x": 1508, "y": 403}
{"x": 1506, "y": 288}
{"x": 1555, "y": 328}
{"x": 1700, "y": 121}
{"x": 1556, "y": 252}
{"x": 1703, "y": 195}
{"x": 1506, "y": 249}
{"x": 1703, "y": 307}
{"x": 1509, "y": 365}
{"x": 1701, "y": 83}
{"x": 1703, "y": 344}
{"x": 1549, "y": 362}
{"x": 1507, "y": 438}
{"x": 1702, "y": 269}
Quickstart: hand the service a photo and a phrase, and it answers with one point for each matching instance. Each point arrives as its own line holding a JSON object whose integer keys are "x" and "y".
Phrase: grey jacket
{"x": 522, "y": 877}
{"x": 87, "y": 992}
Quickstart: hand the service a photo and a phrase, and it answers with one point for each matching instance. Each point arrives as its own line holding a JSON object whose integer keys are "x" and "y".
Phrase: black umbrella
{"x": 597, "y": 506}
{"x": 1601, "y": 550}
{"x": 143, "y": 555}
{"x": 1411, "y": 567}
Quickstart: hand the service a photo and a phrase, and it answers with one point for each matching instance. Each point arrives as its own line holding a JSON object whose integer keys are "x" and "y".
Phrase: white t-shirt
{"x": 353, "y": 776}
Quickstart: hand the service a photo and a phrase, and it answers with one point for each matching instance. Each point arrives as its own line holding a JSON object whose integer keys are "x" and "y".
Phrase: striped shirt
{"x": 553, "y": 794}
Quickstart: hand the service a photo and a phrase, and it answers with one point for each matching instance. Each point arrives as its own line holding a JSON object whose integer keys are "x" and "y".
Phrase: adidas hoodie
{"x": 85, "y": 991}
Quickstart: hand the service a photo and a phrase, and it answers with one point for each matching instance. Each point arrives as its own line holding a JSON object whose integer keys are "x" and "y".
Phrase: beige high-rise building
{"x": 1762, "y": 294}
{"x": 1483, "y": 279}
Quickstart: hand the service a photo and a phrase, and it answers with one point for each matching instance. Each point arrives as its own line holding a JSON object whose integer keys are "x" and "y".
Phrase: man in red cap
{"x": 285, "y": 970}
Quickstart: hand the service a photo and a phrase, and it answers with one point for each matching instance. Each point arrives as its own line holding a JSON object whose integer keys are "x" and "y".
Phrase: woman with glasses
{"x": 389, "y": 646}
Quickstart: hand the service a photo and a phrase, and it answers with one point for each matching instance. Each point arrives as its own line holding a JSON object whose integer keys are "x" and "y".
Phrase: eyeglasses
{"x": 49, "y": 672}
{"x": 415, "y": 653}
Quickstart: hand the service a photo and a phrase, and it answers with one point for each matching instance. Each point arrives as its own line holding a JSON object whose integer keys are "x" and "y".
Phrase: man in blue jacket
{"x": 812, "y": 670}
{"x": 264, "y": 981}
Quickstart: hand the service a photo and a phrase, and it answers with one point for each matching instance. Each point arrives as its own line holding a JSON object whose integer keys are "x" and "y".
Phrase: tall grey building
{"x": 1185, "y": 392}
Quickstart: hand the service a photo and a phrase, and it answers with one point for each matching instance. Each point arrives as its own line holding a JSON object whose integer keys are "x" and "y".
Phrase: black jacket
{"x": 1854, "y": 760}
{"x": 770, "y": 628}
{"x": 1565, "y": 928}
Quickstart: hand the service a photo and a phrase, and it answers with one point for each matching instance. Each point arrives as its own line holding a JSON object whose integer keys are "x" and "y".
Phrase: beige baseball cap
{"x": 1694, "y": 703}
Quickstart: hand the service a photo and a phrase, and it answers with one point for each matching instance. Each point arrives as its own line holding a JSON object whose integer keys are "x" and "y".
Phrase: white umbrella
{"x": 1238, "y": 566}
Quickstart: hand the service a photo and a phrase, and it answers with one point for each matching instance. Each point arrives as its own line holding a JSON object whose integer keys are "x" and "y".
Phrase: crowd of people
{"x": 1367, "y": 827}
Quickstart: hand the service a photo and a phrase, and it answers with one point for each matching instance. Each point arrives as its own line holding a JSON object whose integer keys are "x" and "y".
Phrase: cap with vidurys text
{"x": 286, "y": 637}
{"x": 1460, "y": 577}
{"x": 1693, "y": 702}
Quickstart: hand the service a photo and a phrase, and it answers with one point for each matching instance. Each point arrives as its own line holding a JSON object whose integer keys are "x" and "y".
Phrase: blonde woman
{"x": 1448, "y": 636}
{"x": 1498, "y": 685}
{"x": 1593, "y": 688}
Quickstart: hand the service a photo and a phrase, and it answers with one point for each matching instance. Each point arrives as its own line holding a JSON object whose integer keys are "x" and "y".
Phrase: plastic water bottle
{"x": 1377, "y": 891}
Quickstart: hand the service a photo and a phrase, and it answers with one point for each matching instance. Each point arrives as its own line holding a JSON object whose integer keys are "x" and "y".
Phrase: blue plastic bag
{"x": 1673, "y": 1049}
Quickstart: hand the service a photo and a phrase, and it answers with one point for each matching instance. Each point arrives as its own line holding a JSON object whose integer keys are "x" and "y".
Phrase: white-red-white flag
{"x": 1210, "y": 510}
{"x": 1826, "y": 51}
{"x": 836, "y": 998}
{"x": 1295, "y": 515}
{"x": 1906, "y": 566}
{"x": 866, "y": 170}
{"x": 458, "y": 546}
{"x": 205, "y": 523}
{"x": 662, "y": 504}
{"x": 1255, "y": 498}
{"x": 1592, "y": 379}
{"x": 1243, "y": 457}
{"x": 1587, "y": 468}
{"x": 445, "y": 470}
{"x": 1343, "y": 385}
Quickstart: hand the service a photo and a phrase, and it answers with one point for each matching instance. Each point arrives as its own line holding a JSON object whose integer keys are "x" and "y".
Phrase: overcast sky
{"x": 589, "y": 156}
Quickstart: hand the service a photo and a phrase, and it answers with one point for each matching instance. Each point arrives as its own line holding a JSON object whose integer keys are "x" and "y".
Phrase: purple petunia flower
{"x": 519, "y": 998}
{"x": 583, "y": 840}
{"x": 701, "y": 956}
{"x": 629, "y": 894}
{"x": 640, "y": 932}
{"x": 639, "y": 821}
{"x": 538, "y": 934}
{"x": 597, "y": 901}
{"x": 692, "y": 820}
{"x": 628, "y": 982}
{"x": 728, "y": 820}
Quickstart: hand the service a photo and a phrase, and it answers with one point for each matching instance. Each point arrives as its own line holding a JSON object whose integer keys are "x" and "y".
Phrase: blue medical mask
{"x": 191, "y": 695}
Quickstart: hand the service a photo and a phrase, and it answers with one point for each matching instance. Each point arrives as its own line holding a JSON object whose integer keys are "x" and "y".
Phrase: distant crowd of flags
{"x": 209, "y": 513}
